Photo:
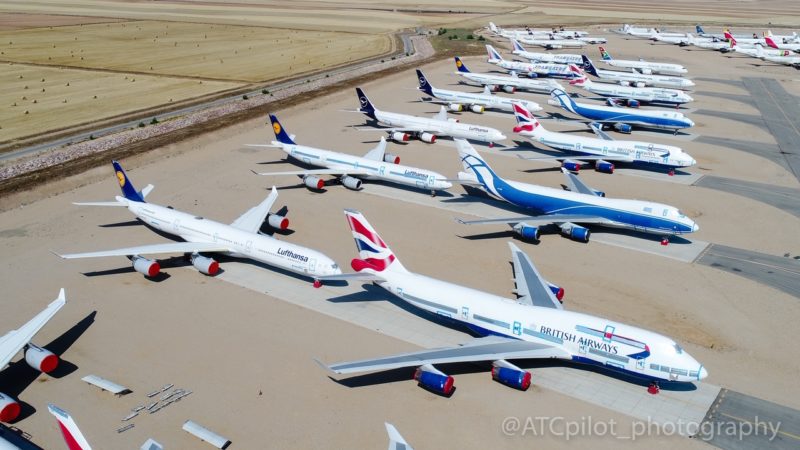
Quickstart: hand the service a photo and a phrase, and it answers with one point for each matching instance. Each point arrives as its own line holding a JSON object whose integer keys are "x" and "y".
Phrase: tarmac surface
{"x": 775, "y": 271}
{"x": 787, "y": 199}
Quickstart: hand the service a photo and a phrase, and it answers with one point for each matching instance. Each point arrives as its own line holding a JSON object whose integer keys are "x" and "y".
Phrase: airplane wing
{"x": 396, "y": 441}
{"x": 576, "y": 185}
{"x": 355, "y": 276}
{"x": 254, "y": 217}
{"x": 531, "y": 287}
{"x": 482, "y": 349}
{"x": 576, "y": 158}
{"x": 542, "y": 220}
{"x": 154, "y": 249}
{"x": 15, "y": 340}
{"x": 352, "y": 171}
{"x": 597, "y": 128}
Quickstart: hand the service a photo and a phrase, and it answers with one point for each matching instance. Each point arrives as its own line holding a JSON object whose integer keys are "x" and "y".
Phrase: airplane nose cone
{"x": 695, "y": 227}
{"x": 703, "y": 373}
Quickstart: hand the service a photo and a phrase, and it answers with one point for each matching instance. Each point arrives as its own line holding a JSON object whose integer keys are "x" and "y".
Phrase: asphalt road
{"x": 787, "y": 199}
{"x": 779, "y": 272}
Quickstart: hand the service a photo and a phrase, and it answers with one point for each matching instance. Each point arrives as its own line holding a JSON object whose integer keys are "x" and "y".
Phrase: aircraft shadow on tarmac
{"x": 19, "y": 375}
{"x": 18, "y": 437}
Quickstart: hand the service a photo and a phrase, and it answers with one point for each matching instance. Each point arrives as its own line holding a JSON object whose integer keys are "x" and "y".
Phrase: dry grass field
{"x": 35, "y": 99}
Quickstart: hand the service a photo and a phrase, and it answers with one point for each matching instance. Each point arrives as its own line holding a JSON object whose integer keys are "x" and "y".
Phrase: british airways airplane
{"x": 621, "y": 118}
{"x": 533, "y": 326}
{"x": 566, "y": 209}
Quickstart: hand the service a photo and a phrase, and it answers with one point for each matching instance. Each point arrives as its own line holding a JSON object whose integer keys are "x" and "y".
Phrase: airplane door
{"x": 517, "y": 328}
{"x": 465, "y": 313}
{"x": 248, "y": 247}
{"x": 382, "y": 169}
{"x": 312, "y": 264}
{"x": 177, "y": 225}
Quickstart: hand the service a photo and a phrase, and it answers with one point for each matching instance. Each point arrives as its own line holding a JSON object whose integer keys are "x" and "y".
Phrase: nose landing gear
{"x": 653, "y": 389}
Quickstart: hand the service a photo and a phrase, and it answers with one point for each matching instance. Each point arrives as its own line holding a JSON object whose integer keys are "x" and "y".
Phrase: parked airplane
{"x": 38, "y": 358}
{"x": 680, "y": 39}
{"x": 547, "y": 70}
{"x": 719, "y": 36}
{"x": 779, "y": 45}
{"x": 722, "y": 46}
{"x": 529, "y": 32}
{"x": 427, "y": 129}
{"x": 561, "y": 58}
{"x": 634, "y": 95}
{"x": 793, "y": 61}
{"x": 646, "y": 67}
{"x": 758, "y": 51}
{"x": 636, "y": 78}
{"x": 621, "y": 118}
{"x": 508, "y": 325}
{"x": 200, "y": 235}
{"x": 567, "y": 209}
{"x": 375, "y": 165}
{"x": 783, "y": 38}
{"x": 505, "y": 83}
{"x": 744, "y": 40}
{"x": 552, "y": 43}
{"x": 460, "y": 101}
{"x": 604, "y": 150}
{"x": 73, "y": 436}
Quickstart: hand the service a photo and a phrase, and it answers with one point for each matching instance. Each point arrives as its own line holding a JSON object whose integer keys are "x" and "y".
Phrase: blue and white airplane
{"x": 533, "y": 326}
{"x": 621, "y": 118}
{"x": 566, "y": 209}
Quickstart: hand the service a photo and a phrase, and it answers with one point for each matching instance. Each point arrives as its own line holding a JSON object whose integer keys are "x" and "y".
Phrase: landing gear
{"x": 491, "y": 144}
{"x": 671, "y": 172}
{"x": 665, "y": 241}
{"x": 653, "y": 389}
{"x": 317, "y": 284}
{"x": 433, "y": 193}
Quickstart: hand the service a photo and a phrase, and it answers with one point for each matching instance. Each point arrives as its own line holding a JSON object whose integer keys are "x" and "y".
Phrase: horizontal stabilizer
{"x": 154, "y": 249}
{"x": 319, "y": 172}
{"x": 575, "y": 184}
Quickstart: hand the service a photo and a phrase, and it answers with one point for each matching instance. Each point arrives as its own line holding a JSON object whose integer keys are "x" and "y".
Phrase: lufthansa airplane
{"x": 566, "y": 209}
{"x": 200, "y": 235}
{"x": 533, "y": 326}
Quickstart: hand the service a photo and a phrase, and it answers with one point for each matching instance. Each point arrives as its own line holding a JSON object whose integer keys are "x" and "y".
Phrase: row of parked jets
{"x": 534, "y": 325}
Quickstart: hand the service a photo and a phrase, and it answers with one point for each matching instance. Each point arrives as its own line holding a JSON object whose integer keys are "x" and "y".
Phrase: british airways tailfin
{"x": 128, "y": 191}
{"x": 493, "y": 54}
{"x": 526, "y": 122}
{"x": 588, "y": 66}
{"x": 424, "y": 85}
{"x": 461, "y": 66}
{"x": 604, "y": 54}
{"x": 373, "y": 253}
{"x": 365, "y": 106}
{"x": 69, "y": 429}
{"x": 280, "y": 132}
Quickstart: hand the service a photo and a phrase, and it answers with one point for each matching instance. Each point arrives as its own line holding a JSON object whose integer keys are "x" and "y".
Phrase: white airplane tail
{"x": 72, "y": 434}
{"x": 374, "y": 254}
{"x": 396, "y": 441}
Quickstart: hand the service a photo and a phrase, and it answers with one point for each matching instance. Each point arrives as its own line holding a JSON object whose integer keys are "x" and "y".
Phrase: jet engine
{"x": 623, "y": 128}
{"x": 390, "y": 158}
{"x": 575, "y": 232}
{"x": 427, "y": 137}
{"x": 146, "y": 267}
{"x": 456, "y": 107}
{"x": 313, "y": 182}
{"x": 204, "y": 264}
{"x": 399, "y": 136}
{"x": 629, "y": 102}
{"x": 511, "y": 375}
{"x": 509, "y": 89}
{"x": 527, "y": 232}
{"x": 40, "y": 359}
{"x": 639, "y": 84}
{"x": 477, "y": 109}
{"x": 558, "y": 291}
{"x": 572, "y": 166}
{"x": 533, "y": 75}
{"x": 278, "y": 221}
{"x": 433, "y": 379}
{"x": 9, "y": 408}
{"x": 351, "y": 182}
{"x": 604, "y": 166}
{"x": 647, "y": 71}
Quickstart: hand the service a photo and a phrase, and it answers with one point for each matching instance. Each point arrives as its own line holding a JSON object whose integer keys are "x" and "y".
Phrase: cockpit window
{"x": 335, "y": 266}
{"x": 681, "y": 215}
{"x": 678, "y": 348}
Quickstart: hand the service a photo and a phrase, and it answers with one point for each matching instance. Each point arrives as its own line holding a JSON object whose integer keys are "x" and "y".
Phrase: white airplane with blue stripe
{"x": 351, "y": 169}
{"x": 636, "y": 78}
{"x": 621, "y": 118}
{"x": 533, "y": 70}
{"x": 532, "y": 326}
{"x": 567, "y": 209}
{"x": 475, "y": 102}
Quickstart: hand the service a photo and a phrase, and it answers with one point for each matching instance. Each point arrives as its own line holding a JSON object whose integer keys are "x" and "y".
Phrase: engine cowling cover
{"x": 390, "y": 158}
{"x": 434, "y": 380}
{"x": 456, "y": 107}
{"x": 351, "y": 182}
{"x": 527, "y": 232}
{"x": 427, "y": 137}
{"x": 205, "y": 265}
{"x": 572, "y": 166}
{"x": 623, "y": 128}
{"x": 647, "y": 71}
{"x": 477, "y": 109}
{"x": 278, "y": 221}
{"x": 558, "y": 291}
{"x": 40, "y": 359}
{"x": 146, "y": 267}
{"x": 313, "y": 182}
{"x": 633, "y": 103}
{"x": 640, "y": 84}
{"x": 9, "y": 408}
{"x": 509, "y": 89}
{"x": 399, "y": 136}
{"x": 518, "y": 379}
{"x": 604, "y": 166}
{"x": 575, "y": 232}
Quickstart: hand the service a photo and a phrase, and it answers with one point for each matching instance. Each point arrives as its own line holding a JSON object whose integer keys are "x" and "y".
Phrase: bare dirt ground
{"x": 19, "y": 21}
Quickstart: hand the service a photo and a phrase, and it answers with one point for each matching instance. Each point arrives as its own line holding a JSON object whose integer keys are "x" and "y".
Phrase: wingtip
{"x": 322, "y": 365}
{"x": 62, "y": 295}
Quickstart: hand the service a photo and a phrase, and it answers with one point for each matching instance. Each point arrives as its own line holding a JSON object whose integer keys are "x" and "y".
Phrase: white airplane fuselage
{"x": 380, "y": 170}
{"x": 655, "y": 67}
{"x": 582, "y": 337}
{"x": 648, "y": 80}
{"x": 540, "y": 86}
{"x": 543, "y": 69}
{"x": 487, "y": 100}
{"x": 552, "y": 43}
{"x": 442, "y": 127}
{"x": 259, "y": 247}
{"x": 561, "y": 58}
{"x": 645, "y": 94}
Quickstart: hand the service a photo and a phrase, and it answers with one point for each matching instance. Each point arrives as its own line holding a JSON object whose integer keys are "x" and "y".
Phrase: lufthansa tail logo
{"x": 363, "y": 101}
{"x": 276, "y": 127}
{"x": 459, "y": 63}
{"x": 121, "y": 178}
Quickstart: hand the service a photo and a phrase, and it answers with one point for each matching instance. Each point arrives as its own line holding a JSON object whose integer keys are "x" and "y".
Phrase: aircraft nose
{"x": 702, "y": 373}
{"x": 695, "y": 227}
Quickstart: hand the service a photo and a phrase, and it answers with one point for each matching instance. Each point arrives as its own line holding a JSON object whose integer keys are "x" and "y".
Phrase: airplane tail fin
{"x": 475, "y": 167}
{"x": 493, "y": 27}
{"x": 365, "y": 106}
{"x": 770, "y": 42}
{"x": 69, "y": 429}
{"x": 588, "y": 66}
{"x": 424, "y": 85}
{"x": 280, "y": 132}
{"x": 526, "y": 122}
{"x": 373, "y": 253}
{"x": 461, "y": 66}
{"x": 493, "y": 54}
{"x": 604, "y": 54}
{"x": 128, "y": 191}
{"x": 563, "y": 99}
{"x": 516, "y": 45}
{"x": 699, "y": 30}
{"x": 728, "y": 35}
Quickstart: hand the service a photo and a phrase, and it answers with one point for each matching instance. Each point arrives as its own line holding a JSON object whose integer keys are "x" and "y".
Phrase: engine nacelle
{"x": 204, "y": 264}
{"x": 456, "y": 107}
{"x": 604, "y": 166}
{"x": 277, "y": 221}
{"x": 399, "y": 136}
{"x": 575, "y": 232}
{"x": 572, "y": 166}
{"x": 631, "y": 103}
{"x": 146, "y": 267}
{"x": 9, "y": 408}
{"x": 40, "y": 359}
{"x": 647, "y": 71}
{"x": 509, "y": 89}
{"x": 533, "y": 75}
{"x": 390, "y": 158}
{"x": 351, "y": 182}
{"x": 452, "y": 119}
{"x": 640, "y": 84}
{"x": 527, "y": 232}
{"x": 478, "y": 109}
{"x": 427, "y": 137}
{"x": 313, "y": 182}
{"x": 558, "y": 291}
{"x": 434, "y": 380}
{"x": 623, "y": 128}
{"x": 598, "y": 193}
{"x": 511, "y": 375}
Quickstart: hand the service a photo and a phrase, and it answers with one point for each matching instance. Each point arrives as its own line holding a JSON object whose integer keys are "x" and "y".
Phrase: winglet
{"x": 396, "y": 441}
